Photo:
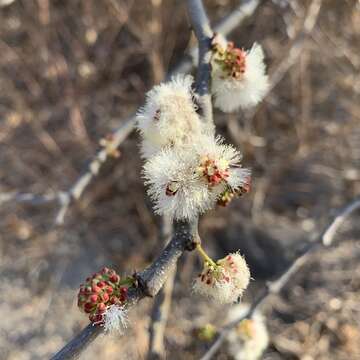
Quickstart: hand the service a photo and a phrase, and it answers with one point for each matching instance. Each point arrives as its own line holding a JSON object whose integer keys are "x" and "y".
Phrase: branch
{"x": 150, "y": 282}
{"x": 185, "y": 237}
{"x": 74, "y": 193}
{"x": 274, "y": 287}
{"x": 230, "y": 22}
{"x": 204, "y": 34}
{"x": 294, "y": 51}
{"x": 29, "y": 198}
{"x": 162, "y": 304}
{"x": 159, "y": 317}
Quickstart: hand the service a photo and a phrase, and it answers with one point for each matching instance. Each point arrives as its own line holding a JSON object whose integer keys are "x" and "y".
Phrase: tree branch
{"x": 204, "y": 34}
{"x": 275, "y": 286}
{"x": 159, "y": 317}
{"x": 29, "y": 198}
{"x": 162, "y": 304}
{"x": 149, "y": 283}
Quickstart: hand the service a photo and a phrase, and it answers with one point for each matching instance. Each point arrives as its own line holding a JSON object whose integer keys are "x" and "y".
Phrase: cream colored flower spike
{"x": 239, "y": 78}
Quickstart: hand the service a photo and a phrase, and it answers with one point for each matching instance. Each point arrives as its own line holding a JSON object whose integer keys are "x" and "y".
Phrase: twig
{"x": 66, "y": 198}
{"x": 75, "y": 192}
{"x": 275, "y": 286}
{"x": 159, "y": 316}
{"x": 150, "y": 282}
{"x": 225, "y": 26}
{"x": 29, "y": 198}
{"x": 204, "y": 35}
{"x": 294, "y": 51}
{"x": 162, "y": 304}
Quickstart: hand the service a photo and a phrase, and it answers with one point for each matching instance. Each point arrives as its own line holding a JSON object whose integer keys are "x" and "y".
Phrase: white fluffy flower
{"x": 169, "y": 116}
{"x": 175, "y": 186}
{"x": 250, "y": 338}
{"x": 220, "y": 164}
{"x": 186, "y": 181}
{"x": 237, "y": 267}
{"x": 215, "y": 283}
{"x": 239, "y": 78}
{"x": 225, "y": 281}
{"x": 115, "y": 319}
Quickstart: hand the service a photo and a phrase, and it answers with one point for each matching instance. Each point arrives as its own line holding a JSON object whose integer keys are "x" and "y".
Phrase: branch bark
{"x": 274, "y": 287}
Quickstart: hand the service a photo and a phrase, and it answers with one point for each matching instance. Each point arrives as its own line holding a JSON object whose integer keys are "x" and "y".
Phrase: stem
{"x": 127, "y": 281}
{"x": 275, "y": 286}
{"x": 204, "y": 255}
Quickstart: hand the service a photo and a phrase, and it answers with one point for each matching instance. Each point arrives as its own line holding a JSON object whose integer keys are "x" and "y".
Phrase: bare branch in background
{"x": 159, "y": 317}
{"x": 29, "y": 198}
{"x": 162, "y": 304}
{"x": 295, "y": 49}
{"x": 275, "y": 286}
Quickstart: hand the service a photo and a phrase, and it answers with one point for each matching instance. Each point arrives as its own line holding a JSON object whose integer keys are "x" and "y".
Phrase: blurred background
{"x": 70, "y": 71}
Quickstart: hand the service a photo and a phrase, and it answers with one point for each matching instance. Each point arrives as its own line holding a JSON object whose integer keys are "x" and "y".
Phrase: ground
{"x": 71, "y": 72}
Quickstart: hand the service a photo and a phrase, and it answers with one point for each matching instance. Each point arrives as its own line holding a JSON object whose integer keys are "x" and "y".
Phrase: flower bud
{"x": 94, "y": 298}
{"x": 99, "y": 292}
{"x": 96, "y": 289}
{"x": 225, "y": 281}
{"x": 88, "y": 307}
{"x": 101, "y": 307}
{"x": 114, "y": 278}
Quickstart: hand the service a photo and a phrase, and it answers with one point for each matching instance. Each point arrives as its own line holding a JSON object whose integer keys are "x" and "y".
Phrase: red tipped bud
{"x": 88, "y": 307}
{"x": 94, "y": 298}
{"x": 96, "y": 289}
{"x": 96, "y": 318}
{"x": 101, "y": 308}
{"x": 114, "y": 300}
{"x": 101, "y": 284}
{"x": 114, "y": 278}
{"x": 105, "y": 270}
{"x": 105, "y": 297}
{"x": 82, "y": 291}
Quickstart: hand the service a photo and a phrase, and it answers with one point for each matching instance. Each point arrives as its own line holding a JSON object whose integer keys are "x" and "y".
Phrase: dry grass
{"x": 69, "y": 71}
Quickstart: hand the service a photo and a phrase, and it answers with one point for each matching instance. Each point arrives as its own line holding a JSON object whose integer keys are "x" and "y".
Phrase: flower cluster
{"x": 250, "y": 338}
{"x": 187, "y": 181}
{"x": 187, "y": 169}
{"x": 169, "y": 116}
{"x": 103, "y": 296}
{"x": 239, "y": 79}
{"x": 229, "y": 193}
{"x": 223, "y": 281}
